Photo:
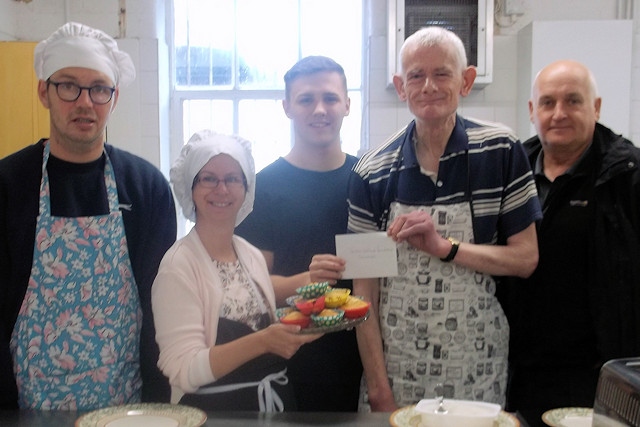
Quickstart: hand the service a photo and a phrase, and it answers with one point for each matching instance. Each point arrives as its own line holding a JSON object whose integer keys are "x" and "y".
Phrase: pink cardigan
{"x": 186, "y": 299}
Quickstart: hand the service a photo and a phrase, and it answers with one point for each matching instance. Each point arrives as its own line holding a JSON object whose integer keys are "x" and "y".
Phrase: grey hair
{"x": 436, "y": 36}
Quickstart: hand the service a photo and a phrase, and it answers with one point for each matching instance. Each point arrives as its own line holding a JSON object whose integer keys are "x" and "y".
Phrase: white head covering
{"x": 196, "y": 153}
{"x": 77, "y": 45}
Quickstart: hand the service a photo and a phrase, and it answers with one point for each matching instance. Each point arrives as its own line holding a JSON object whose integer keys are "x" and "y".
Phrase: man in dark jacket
{"x": 581, "y": 307}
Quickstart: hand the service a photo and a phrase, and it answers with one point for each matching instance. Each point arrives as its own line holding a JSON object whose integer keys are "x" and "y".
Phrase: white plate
{"x": 568, "y": 417}
{"x": 144, "y": 415}
{"x": 409, "y": 417}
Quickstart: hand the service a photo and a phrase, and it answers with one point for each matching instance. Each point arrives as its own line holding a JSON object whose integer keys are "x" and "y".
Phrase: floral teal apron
{"x": 441, "y": 323}
{"x": 75, "y": 344}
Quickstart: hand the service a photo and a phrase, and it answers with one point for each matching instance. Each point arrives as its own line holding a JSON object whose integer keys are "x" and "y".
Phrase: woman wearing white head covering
{"x": 213, "y": 301}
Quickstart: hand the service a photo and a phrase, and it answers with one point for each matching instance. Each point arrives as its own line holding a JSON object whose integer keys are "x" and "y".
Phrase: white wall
{"x": 599, "y": 44}
{"x": 141, "y": 123}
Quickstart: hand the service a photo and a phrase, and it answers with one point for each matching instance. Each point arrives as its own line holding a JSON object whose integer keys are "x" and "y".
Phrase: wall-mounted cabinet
{"x": 23, "y": 119}
{"x": 471, "y": 20}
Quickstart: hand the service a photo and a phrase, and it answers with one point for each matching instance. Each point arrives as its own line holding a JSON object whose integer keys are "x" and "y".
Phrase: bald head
{"x": 564, "y": 107}
{"x": 566, "y": 67}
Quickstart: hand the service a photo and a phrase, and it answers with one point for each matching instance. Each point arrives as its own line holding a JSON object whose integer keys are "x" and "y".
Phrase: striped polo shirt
{"x": 483, "y": 163}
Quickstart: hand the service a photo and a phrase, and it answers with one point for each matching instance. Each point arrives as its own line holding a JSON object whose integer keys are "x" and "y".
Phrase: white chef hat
{"x": 196, "y": 153}
{"x": 77, "y": 45}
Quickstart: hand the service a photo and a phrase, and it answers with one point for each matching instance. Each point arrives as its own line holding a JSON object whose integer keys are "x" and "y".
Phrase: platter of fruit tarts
{"x": 333, "y": 311}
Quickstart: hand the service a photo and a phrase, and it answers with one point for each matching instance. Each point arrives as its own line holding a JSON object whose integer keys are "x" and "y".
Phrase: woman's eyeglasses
{"x": 212, "y": 181}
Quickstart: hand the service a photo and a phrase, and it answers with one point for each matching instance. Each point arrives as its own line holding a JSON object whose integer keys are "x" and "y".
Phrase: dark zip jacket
{"x": 608, "y": 281}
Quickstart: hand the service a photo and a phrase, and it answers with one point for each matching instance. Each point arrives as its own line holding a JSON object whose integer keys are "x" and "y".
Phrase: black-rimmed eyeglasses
{"x": 70, "y": 92}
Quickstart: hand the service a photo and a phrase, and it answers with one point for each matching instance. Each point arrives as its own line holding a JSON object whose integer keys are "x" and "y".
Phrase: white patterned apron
{"x": 441, "y": 322}
{"x": 75, "y": 344}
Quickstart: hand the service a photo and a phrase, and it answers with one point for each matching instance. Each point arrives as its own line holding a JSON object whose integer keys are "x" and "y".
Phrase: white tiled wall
{"x": 139, "y": 122}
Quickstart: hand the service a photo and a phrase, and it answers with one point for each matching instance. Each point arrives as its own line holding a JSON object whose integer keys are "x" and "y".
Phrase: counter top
{"x": 226, "y": 419}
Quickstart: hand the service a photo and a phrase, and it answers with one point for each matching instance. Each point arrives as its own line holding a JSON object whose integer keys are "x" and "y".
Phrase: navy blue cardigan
{"x": 150, "y": 227}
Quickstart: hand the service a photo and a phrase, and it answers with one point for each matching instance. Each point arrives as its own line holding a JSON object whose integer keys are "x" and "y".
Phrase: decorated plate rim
{"x": 505, "y": 419}
{"x": 553, "y": 417}
{"x": 193, "y": 417}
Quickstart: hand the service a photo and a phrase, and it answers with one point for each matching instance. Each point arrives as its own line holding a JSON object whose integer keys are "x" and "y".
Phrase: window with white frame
{"x": 230, "y": 57}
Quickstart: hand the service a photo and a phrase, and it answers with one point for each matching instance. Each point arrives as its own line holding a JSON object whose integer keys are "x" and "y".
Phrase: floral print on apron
{"x": 75, "y": 345}
{"x": 440, "y": 322}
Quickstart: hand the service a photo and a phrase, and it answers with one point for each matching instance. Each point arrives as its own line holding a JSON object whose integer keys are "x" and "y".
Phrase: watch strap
{"x": 454, "y": 250}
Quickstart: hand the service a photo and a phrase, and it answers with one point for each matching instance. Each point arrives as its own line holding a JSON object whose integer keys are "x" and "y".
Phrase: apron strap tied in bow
{"x": 268, "y": 398}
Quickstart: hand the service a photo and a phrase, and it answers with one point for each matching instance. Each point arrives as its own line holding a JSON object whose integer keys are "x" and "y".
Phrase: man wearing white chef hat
{"x": 83, "y": 227}
{"x": 77, "y": 45}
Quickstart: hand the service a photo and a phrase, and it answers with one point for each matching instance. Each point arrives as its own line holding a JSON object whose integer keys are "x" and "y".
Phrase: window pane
{"x": 199, "y": 68}
{"x": 201, "y": 114}
{"x": 228, "y": 44}
{"x": 205, "y": 49}
{"x": 319, "y": 22}
{"x": 350, "y": 131}
{"x": 264, "y": 123}
{"x": 204, "y": 42}
{"x": 269, "y": 46}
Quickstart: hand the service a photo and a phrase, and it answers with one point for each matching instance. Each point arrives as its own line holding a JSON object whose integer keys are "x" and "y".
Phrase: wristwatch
{"x": 454, "y": 250}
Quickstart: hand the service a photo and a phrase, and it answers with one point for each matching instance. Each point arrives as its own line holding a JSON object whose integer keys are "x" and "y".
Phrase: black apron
{"x": 258, "y": 385}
